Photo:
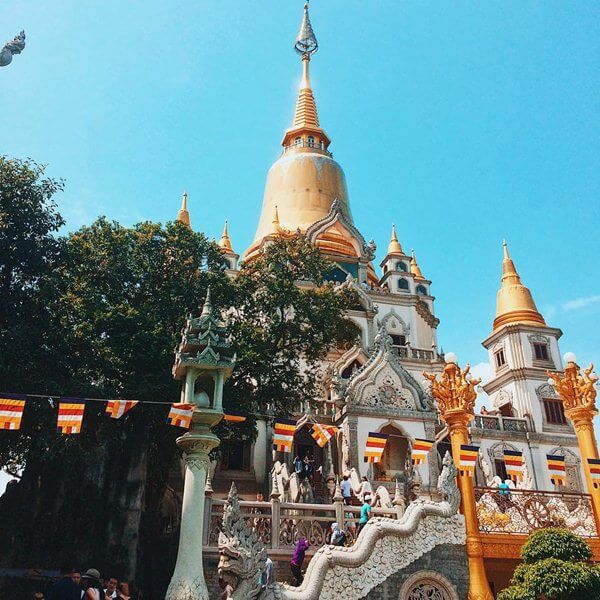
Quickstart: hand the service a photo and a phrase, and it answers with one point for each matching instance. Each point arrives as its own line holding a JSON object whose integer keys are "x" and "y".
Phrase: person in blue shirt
{"x": 504, "y": 489}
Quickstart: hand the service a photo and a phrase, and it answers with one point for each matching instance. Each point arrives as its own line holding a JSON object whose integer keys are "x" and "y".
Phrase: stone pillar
{"x": 275, "y": 514}
{"x": 188, "y": 581}
{"x": 338, "y": 503}
{"x": 208, "y": 493}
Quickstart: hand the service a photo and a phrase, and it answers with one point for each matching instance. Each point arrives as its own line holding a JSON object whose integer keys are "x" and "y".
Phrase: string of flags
{"x": 420, "y": 450}
{"x": 515, "y": 464}
{"x": 71, "y": 412}
{"x": 594, "y": 467}
{"x": 375, "y": 446}
{"x": 557, "y": 469}
{"x": 468, "y": 459}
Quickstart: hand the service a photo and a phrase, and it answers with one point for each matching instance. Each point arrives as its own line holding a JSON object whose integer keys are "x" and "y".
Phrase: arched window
{"x": 298, "y": 141}
{"x": 400, "y": 266}
{"x": 311, "y": 141}
{"x": 393, "y": 460}
{"x": 421, "y": 290}
{"x": 403, "y": 284}
{"x": 427, "y": 585}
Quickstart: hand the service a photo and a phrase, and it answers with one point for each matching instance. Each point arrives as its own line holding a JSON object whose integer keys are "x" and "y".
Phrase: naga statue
{"x": 242, "y": 556}
{"x": 15, "y": 46}
{"x": 424, "y": 525}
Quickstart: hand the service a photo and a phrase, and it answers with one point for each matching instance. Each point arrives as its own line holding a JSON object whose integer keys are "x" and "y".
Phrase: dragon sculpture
{"x": 383, "y": 547}
{"x": 15, "y": 46}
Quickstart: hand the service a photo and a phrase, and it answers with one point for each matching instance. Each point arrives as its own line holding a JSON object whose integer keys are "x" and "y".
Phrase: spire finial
{"x": 306, "y": 42}
{"x": 505, "y": 250}
{"x": 394, "y": 246}
{"x": 225, "y": 242}
{"x": 414, "y": 267}
{"x": 183, "y": 216}
{"x": 208, "y": 307}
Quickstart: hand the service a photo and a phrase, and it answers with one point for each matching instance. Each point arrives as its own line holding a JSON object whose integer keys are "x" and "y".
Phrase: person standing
{"x": 338, "y": 537}
{"x": 111, "y": 588}
{"x": 365, "y": 488}
{"x": 297, "y": 560}
{"x": 365, "y": 514}
{"x": 346, "y": 487}
{"x": 91, "y": 584}
{"x": 65, "y": 588}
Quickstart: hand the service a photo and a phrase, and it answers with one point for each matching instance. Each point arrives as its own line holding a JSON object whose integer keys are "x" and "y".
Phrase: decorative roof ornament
{"x": 225, "y": 241}
{"x": 394, "y": 246}
{"x": 15, "y": 46}
{"x": 306, "y": 42}
{"x": 183, "y": 216}
{"x": 414, "y": 267}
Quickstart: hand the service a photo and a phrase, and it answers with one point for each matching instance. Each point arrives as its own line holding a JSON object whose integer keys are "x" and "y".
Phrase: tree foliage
{"x": 99, "y": 312}
{"x": 555, "y": 567}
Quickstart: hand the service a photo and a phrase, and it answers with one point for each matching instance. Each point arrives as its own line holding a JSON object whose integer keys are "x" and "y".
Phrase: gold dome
{"x": 514, "y": 301}
{"x": 414, "y": 267}
{"x": 305, "y": 181}
{"x": 225, "y": 241}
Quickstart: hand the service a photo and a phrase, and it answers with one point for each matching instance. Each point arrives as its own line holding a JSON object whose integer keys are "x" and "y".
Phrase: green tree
{"x": 555, "y": 567}
{"x": 283, "y": 321}
{"x": 116, "y": 299}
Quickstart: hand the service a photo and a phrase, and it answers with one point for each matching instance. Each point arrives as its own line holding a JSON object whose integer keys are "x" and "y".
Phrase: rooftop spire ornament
{"x": 15, "y": 46}
{"x": 306, "y": 42}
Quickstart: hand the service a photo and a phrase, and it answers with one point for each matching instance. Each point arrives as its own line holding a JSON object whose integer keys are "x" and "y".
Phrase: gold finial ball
{"x": 570, "y": 357}
{"x": 450, "y": 357}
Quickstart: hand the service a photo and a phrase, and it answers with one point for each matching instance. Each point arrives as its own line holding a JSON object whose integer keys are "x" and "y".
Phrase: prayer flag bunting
{"x": 321, "y": 434}
{"x": 515, "y": 465}
{"x": 70, "y": 415}
{"x": 375, "y": 447}
{"x": 117, "y": 408}
{"x": 332, "y": 429}
{"x": 11, "y": 411}
{"x": 180, "y": 415}
{"x": 283, "y": 437}
{"x": 468, "y": 459}
{"x": 420, "y": 450}
{"x": 557, "y": 468}
{"x": 234, "y": 417}
{"x": 594, "y": 466}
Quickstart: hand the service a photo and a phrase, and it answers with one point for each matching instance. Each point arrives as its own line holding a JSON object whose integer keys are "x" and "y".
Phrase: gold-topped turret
{"x": 183, "y": 216}
{"x": 225, "y": 241}
{"x": 394, "y": 246}
{"x": 514, "y": 301}
{"x": 414, "y": 267}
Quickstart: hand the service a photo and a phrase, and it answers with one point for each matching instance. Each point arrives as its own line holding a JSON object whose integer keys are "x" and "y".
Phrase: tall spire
{"x": 225, "y": 242}
{"x": 394, "y": 246}
{"x": 414, "y": 267}
{"x": 183, "y": 216}
{"x": 514, "y": 301}
{"x": 306, "y": 118}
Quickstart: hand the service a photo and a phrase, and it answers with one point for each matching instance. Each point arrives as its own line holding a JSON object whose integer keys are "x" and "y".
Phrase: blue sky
{"x": 462, "y": 122}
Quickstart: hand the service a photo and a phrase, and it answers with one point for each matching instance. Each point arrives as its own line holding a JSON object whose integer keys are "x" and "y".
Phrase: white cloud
{"x": 482, "y": 370}
{"x": 581, "y": 302}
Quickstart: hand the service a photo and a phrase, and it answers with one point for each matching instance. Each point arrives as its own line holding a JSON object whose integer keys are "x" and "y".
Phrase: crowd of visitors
{"x": 72, "y": 585}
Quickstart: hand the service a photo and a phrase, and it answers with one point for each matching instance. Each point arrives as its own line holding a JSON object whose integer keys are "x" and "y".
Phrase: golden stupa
{"x": 514, "y": 301}
{"x": 305, "y": 181}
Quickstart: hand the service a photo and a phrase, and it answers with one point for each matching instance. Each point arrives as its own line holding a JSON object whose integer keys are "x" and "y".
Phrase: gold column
{"x": 455, "y": 394}
{"x": 578, "y": 395}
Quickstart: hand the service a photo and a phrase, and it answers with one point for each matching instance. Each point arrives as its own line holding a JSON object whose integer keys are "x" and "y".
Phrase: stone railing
{"x": 279, "y": 525}
{"x": 414, "y": 353}
{"x": 500, "y": 423}
{"x": 524, "y": 511}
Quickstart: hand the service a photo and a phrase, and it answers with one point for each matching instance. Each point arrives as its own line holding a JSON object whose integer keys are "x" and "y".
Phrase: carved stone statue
{"x": 15, "y": 46}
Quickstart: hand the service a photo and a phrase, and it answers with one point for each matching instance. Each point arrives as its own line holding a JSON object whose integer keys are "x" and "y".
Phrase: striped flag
{"x": 557, "y": 468}
{"x": 234, "y": 417}
{"x": 70, "y": 415}
{"x": 180, "y": 415}
{"x": 468, "y": 459}
{"x": 594, "y": 466}
{"x": 515, "y": 465}
{"x": 11, "y": 411}
{"x": 117, "y": 408}
{"x": 283, "y": 437}
{"x": 375, "y": 447}
{"x": 420, "y": 450}
{"x": 321, "y": 434}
